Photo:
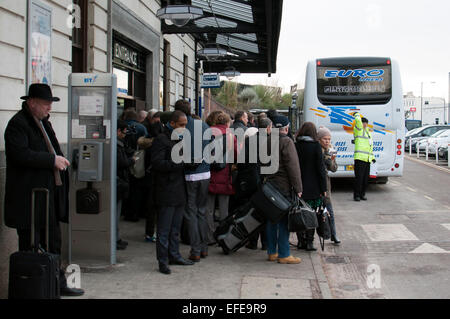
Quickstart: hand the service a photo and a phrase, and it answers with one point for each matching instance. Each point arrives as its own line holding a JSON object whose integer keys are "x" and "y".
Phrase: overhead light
{"x": 230, "y": 73}
{"x": 179, "y": 15}
{"x": 212, "y": 52}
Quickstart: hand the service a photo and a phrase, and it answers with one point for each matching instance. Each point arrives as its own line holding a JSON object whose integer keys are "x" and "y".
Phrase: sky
{"x": 416, "y": 33}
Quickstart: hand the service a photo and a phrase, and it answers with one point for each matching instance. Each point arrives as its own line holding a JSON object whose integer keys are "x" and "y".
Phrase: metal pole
{"x": 421, "y": 106}
{"x": 426, "y": 152}
{"x": 437, "y": 153}
{"x": 410, "y": 147}
{"x": 445, "y": 122}
{"x": 196, "y": 79}
{"x": 417, "y": 151}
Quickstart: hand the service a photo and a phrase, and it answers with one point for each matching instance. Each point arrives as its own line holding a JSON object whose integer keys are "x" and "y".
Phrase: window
{"x": 177, "y": 87}
{"x": 79, "y": 39}
{"x": 354, "y": 85}
{"x": 122, "y": 81}
{"x": 166, "y": 76}
{"x": 185, "y": 76}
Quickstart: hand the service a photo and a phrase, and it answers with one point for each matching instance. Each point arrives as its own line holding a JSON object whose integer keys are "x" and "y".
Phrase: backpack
{"x": 132, "y": 136}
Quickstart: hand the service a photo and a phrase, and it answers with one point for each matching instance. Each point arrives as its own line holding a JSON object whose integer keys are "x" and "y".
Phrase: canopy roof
{"x": 248, "y": 29}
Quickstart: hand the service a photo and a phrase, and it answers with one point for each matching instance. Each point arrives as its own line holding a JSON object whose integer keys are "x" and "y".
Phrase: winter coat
{"x": 239, "y": 124}
{"x": 312, "y": 167}
{"x": 288, "y": 176}
{"x": 170, "y": 185}
{"x": 124, "y": 162}
{"x": 203, "y": 167}
{"x": 221, "y": 181}
{"x": 29, "y": 164}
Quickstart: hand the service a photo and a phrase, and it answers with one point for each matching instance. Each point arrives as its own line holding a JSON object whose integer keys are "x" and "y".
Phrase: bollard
{"x": 417, "y": 151}
{"x": 410, "y": 148}
{"x": 426, "y": 152}
{"x": 437, "y": 153}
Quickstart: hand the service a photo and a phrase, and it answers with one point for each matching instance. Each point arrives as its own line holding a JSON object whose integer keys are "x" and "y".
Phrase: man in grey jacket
{"x": 197, "y": 183}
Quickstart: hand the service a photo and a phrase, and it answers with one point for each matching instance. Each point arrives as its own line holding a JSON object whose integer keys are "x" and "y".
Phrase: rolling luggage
{"x": 236, "y": 230}
{"x": 34, "y": 274}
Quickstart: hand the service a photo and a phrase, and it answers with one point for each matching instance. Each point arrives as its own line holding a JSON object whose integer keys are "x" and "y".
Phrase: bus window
{"x": 353, "y": 85}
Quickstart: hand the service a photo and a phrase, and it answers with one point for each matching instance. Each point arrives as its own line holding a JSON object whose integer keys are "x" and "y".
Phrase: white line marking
{"x": 428, "y": 249}
{"x": 446, "y": 226}
{"x": 388, "y": 232}
{"x": 426, "y": 211}
{"x": 428, "y": 197}
{"x": 412, "y": 189}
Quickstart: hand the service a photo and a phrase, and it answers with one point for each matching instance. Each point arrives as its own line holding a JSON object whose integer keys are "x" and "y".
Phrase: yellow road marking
{"x": 412, "y": 189}
{"x": 428, "y": 197}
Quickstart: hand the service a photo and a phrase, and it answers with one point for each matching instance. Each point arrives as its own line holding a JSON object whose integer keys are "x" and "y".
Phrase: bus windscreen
{"x": 354, "y": 85}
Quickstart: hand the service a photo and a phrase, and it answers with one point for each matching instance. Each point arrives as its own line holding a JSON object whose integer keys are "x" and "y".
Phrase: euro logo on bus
{"x": 364, "y": 75}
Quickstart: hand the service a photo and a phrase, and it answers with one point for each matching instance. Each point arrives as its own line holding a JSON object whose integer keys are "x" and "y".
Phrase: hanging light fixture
{"x": 230, "y": 72}
{"x": 179, "y": 14}
{"x": 212, "y": 52}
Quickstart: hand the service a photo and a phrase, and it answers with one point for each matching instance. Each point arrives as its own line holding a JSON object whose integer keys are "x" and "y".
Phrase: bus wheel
{"x": 382, "y": 180}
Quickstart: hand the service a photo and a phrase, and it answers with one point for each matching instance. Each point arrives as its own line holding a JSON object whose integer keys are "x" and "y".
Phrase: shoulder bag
{"x": 301, "y": 216}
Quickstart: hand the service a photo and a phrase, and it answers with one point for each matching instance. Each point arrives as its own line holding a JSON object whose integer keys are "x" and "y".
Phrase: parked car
{"x": 421, "y": 133}
{"x": 438, "y": 139}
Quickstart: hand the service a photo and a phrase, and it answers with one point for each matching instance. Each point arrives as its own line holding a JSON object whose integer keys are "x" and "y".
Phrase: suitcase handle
{"x": 33, "y": 219}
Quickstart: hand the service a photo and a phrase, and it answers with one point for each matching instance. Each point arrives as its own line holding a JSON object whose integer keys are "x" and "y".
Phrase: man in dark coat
{"x": 170, "y": 195}
{"x": 240, "y": 121}
{"x": 34, "y": 160}
{"x": 124, "y": 162}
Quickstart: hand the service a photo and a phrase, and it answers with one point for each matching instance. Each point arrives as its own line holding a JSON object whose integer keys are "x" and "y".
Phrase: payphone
{"x": 93, "y": 148}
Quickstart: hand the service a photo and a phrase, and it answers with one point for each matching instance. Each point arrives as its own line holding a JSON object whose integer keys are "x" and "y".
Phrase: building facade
{"x": 93, "y": 36}
{"x": 435, "y": 109}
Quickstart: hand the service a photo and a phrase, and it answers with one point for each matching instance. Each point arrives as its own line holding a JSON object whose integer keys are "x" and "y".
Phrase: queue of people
{"x": 169, "y": 192}
{"x": 190, "y": 192}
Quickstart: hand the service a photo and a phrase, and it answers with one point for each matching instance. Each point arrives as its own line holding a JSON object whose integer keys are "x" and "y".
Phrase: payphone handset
{"x": 90, "y": 161}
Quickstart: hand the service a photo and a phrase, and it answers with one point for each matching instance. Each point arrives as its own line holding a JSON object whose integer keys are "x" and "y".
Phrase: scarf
{"x": 50, "y": 147}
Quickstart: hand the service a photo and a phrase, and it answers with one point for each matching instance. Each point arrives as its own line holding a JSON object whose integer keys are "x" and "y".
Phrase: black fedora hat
{"x": 40, "y": 91}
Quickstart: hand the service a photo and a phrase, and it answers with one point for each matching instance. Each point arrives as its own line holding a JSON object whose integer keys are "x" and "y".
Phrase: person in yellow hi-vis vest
{"x": 363, "y": 156}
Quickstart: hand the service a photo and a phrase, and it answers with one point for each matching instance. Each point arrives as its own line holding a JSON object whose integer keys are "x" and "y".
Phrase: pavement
{"x": 395, "y": 245}
{"x": 242, "y": 275}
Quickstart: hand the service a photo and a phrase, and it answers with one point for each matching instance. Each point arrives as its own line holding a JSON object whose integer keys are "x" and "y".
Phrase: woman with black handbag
{"x": 329, "y": 159}
{"x": 313, "y": 176}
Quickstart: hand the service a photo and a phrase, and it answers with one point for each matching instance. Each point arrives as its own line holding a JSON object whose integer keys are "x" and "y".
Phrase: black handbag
{"x": 301, "y": 216}
{"x": 270, "y": 202}
{"x": 324, "y": 225}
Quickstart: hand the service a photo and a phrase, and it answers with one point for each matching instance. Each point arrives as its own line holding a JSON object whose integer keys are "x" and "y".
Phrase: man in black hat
{"x": 34, "y": 160}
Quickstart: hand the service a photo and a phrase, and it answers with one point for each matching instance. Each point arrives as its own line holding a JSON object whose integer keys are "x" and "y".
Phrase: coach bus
{"x": 336, "y": 88}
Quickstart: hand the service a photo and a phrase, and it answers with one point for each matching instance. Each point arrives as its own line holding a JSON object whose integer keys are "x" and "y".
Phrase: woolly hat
{"x": 322, "y": 132}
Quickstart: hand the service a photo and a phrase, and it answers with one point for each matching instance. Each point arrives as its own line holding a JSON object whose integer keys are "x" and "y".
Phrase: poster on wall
{"x": 39, "y": 43}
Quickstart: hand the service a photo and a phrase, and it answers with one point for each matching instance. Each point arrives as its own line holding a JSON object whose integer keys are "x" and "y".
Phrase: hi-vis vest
{"x": 363, "y": 141}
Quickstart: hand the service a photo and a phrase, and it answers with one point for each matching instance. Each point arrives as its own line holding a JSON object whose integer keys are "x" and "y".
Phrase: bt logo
{"x": 90, "y": 80}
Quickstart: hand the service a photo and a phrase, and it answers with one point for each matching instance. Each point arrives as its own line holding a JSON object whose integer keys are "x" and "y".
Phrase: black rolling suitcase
{"x": 235, "y": 231}
{"x": 34, "y": 274}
